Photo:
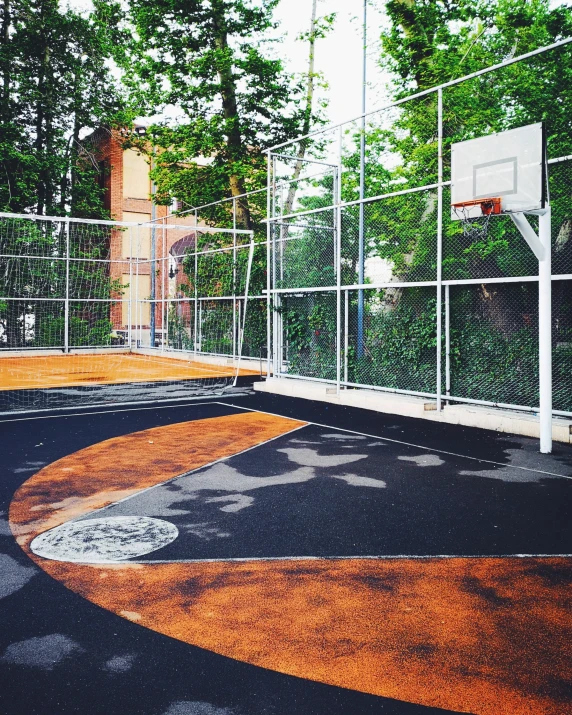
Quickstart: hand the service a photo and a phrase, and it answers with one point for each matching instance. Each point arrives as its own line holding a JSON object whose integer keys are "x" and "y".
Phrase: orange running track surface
{"x": 45, "y": 371}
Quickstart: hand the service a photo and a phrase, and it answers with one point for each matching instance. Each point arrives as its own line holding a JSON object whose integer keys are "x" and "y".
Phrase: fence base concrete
{"x": 490, "y": 418}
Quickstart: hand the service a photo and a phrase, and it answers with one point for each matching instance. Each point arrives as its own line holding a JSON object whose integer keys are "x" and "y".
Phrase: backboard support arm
{"x": 529, "y": 234}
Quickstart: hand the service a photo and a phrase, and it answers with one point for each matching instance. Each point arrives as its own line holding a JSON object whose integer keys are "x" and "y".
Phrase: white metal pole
{"x": 545, "y": 333}
{"x": 346, "y": 334}
{"x": 447, "y": 341}
{"x": 152, "y": 315}
{"x": 242, "y": 318}
{"x": 196, "y": 316}
{"x": 130, "y": 304}
{"x": 439, "y": 238}
{"x": 268, "y": 283}
{"x": 276, "y": 300}
{"x": 200, "y": 324}
{"x": 337, "y": 233}
{"x": 164, "y": 282}
{"x": 137, "y": 302}
{"x": 67, "y": 302}
{"x": 361, "y": 227}
{"x": 234, "y": 346}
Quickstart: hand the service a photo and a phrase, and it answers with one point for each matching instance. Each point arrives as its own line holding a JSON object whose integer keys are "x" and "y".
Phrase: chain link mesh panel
{"x": 303, "y": 251}
{"x": 562, "y": 345}
{"x": 560, "y": 183}
{"x": 398, "y": 350}
{"x": 309, "y": 335}
{"x": 494, "y": 342}
{"x": 400, "y": 239}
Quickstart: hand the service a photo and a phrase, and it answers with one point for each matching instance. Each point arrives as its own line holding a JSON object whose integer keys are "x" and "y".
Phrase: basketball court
{"x": 212, "y": 551}
{"x": 277, "y": 555}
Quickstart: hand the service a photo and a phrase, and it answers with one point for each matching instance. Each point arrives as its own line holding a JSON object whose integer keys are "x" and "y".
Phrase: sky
{"x": 338, "y": 56}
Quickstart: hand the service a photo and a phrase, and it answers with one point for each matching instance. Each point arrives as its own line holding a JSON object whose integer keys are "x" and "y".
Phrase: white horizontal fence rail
{"x": 425, "y": 93}
{"x": 291, "y": 296}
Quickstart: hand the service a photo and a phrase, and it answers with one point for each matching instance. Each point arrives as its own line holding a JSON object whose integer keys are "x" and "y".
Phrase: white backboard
{"x": 509, "y": 165}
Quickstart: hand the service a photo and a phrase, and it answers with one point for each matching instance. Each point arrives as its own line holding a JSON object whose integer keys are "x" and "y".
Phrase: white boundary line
{"x": 396, "y": 557}
{"x": 183, "y": 474}
{"x": 300, "y": 558}
{"x": 158, "y": 406}
{"x": 274, "y": 414}
{"x": 411, "y": 444}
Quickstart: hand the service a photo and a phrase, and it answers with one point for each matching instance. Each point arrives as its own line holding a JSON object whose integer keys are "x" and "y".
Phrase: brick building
{"x": 125, "y": 178}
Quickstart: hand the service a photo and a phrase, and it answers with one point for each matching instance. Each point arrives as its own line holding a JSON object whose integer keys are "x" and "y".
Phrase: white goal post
{"x": 108, "y": 311}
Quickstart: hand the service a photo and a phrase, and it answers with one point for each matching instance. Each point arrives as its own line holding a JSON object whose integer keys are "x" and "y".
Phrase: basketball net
{"x": 475, "y": 228}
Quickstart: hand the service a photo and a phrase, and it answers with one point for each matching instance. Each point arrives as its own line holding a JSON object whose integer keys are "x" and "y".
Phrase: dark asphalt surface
{"x": 61, "y": 654}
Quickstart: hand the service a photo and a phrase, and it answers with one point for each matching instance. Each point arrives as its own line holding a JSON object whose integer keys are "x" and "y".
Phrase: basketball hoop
{"x": 475, "y": 225}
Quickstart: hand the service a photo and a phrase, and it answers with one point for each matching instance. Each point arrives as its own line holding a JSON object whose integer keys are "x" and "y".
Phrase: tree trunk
{"x": 405, "y": 14}
{"x": 5, "y": 41}
{"x": 41, "y": 112}
{"x": 307, "y": 115}
{"x": 230, "y": 111}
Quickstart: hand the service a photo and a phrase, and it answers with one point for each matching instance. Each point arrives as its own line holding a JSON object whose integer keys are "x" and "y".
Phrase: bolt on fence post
{"x": 439, "y": 238}
{"x": 67, "y": 300}
{"x": 545, "y": 332}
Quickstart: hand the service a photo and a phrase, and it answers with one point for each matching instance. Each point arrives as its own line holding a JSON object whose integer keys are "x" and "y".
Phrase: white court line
{"x": 183, "y": 474}
{"x": 256, "y": 559}
{"x": 409, "y": 444}
{"x": 156, "y": 406}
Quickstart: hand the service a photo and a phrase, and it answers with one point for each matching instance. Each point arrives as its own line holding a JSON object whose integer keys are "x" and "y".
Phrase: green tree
{"x": 214, "y": 62}
{"x": 56, "y": 86}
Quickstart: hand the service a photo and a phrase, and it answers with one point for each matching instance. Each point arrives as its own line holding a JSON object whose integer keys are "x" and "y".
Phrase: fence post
{"x": 164, "y": 278}
{"x": 361, "y": 227}
{"x": 346, "y": 334}
{"x": 439, "y": 238}
{"x": 152, "y": 316}
{"x": 67, "y": 299}
{"x": 196, "y": 341}
{"x": 447, "y": 342}
{"x": 276, "y": 303}
{"x": 268, "y": 262}
{"x": 338, "y": 259}
{"x": 545, "y": 332}
{"x": 234, "y": 280}
{"x": 130, "y": 300}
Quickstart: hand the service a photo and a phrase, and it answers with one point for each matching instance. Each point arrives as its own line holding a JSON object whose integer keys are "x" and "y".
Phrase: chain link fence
{"x": 375, "y": 285}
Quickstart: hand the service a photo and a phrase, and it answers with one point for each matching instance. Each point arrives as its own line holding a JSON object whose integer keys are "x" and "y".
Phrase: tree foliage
{"x": 213, "y": 62}
{"x": 55, "y": 86}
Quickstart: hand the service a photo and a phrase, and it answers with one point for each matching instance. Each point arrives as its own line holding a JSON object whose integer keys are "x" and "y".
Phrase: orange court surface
{"x": 49, "y": 371}
{"x": 265, "y": 555}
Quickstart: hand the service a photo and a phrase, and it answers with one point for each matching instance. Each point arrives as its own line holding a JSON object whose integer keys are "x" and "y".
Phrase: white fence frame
{"x": 275, "y": 294}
